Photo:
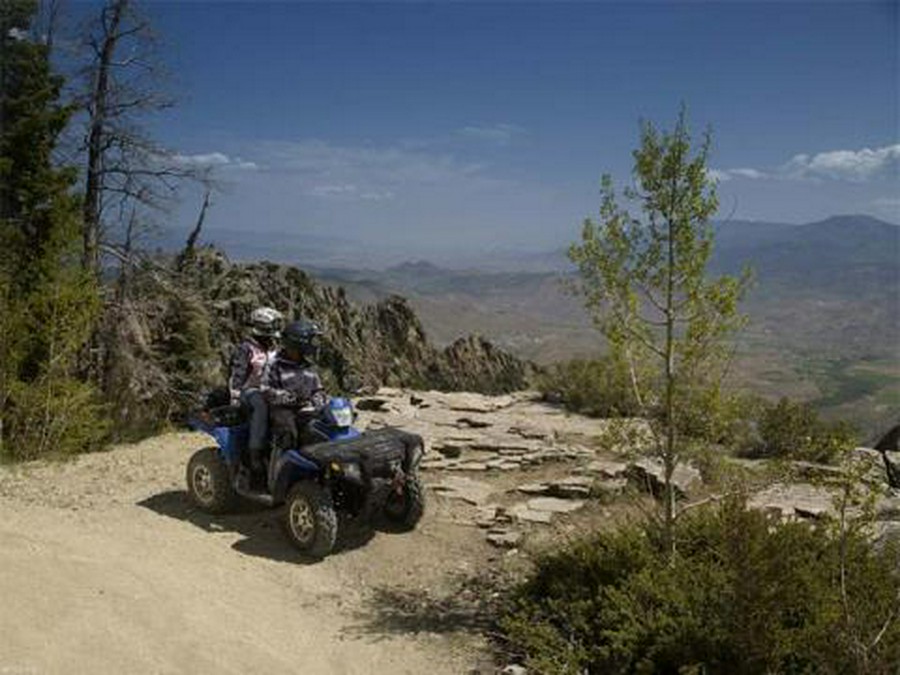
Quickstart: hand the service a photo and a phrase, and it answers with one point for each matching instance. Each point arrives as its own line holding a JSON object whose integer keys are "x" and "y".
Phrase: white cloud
{"x": 214, "y": 160}
{"x": 752, "y": 174}
{"x": 722, "y": 175}
{"x": 501, "y": 134}
{"x": 852, "y": 165}
{"x": 844, "y": 165}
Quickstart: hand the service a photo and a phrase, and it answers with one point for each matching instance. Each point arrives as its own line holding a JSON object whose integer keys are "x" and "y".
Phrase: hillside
{"x": 824, "y": 309}
{"x": 172, "y": 336}
{"x": 122, "y": 573}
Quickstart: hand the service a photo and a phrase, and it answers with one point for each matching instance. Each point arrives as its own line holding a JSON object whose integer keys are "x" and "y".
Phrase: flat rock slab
{"x": 607, "y": 468}
{"x": 523, "y": 513}
{"x": 466, "y": 489}
{"x": 534, "y": 488}
{"x": 554, "y": 504}
{"x": 504, "y": 538}
{"x": 470, "y": 466}
{"x": 800, "y": 500}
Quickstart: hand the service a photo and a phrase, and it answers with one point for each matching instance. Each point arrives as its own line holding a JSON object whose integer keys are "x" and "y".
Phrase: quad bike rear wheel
{"x": 405, "y": 509}
{"x": 209, "y": 483}
{"x": 310, "y": 520}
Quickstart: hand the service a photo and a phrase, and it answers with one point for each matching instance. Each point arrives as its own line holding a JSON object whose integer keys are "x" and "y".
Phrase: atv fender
{"x": 291, "y": 467}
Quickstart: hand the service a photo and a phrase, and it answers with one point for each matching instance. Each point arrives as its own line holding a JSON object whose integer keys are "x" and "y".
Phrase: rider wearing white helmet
{"x": 248, "y": 365}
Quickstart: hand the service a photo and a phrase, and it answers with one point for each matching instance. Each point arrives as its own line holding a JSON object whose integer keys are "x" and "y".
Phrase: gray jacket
{"x": 289, "y": 384}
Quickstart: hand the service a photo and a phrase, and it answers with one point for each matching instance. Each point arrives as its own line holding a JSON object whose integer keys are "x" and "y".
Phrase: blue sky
{"x": 452, "y": 127}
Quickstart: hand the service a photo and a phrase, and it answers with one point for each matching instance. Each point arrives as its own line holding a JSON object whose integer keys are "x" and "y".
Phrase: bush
{"x": 794, "y": 431}
{"x": 742, "y": 594}
{"x": 599, "y": 387}
{"x": 711, "y": 415}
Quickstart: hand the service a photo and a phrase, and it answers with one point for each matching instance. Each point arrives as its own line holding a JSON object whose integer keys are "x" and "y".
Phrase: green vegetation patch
{"x": 743, "y": 593}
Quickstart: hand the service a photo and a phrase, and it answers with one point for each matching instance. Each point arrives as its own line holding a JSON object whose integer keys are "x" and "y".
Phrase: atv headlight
{"x": 343, "y": 417}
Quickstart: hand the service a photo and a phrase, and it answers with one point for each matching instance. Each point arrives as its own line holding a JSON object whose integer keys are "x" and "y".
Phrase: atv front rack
{"x": 379, "y": 453}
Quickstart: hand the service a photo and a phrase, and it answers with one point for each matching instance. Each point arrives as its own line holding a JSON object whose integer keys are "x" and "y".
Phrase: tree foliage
{"x": 793, "y": 430}
{"x": 643, "y": 277}
{"x": 48, "y": 304}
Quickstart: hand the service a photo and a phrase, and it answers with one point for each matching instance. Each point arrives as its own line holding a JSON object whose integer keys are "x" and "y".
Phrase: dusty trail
{"x": 105, "y": 568}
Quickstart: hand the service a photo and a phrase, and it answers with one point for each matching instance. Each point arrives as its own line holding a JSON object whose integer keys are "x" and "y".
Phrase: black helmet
{"x": 302, "y": 335}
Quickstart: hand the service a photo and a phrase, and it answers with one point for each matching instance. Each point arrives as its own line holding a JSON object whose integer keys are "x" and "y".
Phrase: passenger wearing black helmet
{"x": 248, "y": 365}
{"x": 291, "y": 385}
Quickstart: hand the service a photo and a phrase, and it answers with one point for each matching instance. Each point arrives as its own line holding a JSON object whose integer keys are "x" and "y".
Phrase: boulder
{"x": 800, "y": 500}
{"x": 649, "y": 474}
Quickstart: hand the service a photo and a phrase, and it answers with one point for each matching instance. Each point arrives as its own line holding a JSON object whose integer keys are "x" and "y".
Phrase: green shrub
{"x": 742, "y": 594}
{"x": 794, "y": 431}
{"x": 599, "y": 387}
{"x": 712, "y": 415}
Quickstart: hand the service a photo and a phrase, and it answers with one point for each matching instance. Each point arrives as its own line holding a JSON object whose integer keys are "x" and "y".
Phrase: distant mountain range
{"x": 824, "y": 309}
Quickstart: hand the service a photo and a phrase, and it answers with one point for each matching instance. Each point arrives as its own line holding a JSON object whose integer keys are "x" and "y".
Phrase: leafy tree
{"x": 644, "y": 280}
{"x": 48, "y": 304}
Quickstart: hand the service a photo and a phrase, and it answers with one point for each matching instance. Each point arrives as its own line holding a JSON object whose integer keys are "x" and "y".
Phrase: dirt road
{"x": 106, "y": 568}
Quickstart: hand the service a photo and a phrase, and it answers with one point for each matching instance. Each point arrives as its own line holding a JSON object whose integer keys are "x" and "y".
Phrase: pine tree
{"x": 48, "y": 303}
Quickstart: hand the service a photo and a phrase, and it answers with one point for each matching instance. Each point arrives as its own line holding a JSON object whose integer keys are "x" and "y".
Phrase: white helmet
{"x": 265, "y": 322}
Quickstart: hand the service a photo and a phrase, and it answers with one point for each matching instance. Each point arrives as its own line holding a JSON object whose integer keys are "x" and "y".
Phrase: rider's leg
{"x": 284, "y": 427}
{"x": 259, "y": 425}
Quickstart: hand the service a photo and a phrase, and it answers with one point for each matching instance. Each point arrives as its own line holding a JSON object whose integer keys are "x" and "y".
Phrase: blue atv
{"x": 345, "y": 472}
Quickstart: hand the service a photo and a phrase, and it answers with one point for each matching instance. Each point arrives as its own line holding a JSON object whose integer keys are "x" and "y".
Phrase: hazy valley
{"x": 824, "y": 309}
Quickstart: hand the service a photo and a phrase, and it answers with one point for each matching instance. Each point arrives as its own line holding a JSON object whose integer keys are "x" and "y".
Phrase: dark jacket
{"x": 290, "y": 384}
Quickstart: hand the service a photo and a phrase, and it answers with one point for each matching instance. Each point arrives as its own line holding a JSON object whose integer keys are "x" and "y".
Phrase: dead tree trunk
{"x": 110, "y": 20}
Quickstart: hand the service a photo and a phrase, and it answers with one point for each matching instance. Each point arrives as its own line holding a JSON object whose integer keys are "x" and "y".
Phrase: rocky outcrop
{"x": 889, "y": 447}
{"x": 180, "y": 328}
{"x": 381, "y": 344}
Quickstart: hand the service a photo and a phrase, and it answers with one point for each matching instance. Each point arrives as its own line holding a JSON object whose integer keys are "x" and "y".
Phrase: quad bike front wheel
{"x": 209, "y": 483}
{"x": 310, "y": 520}
{"x": 404, "y": 509}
